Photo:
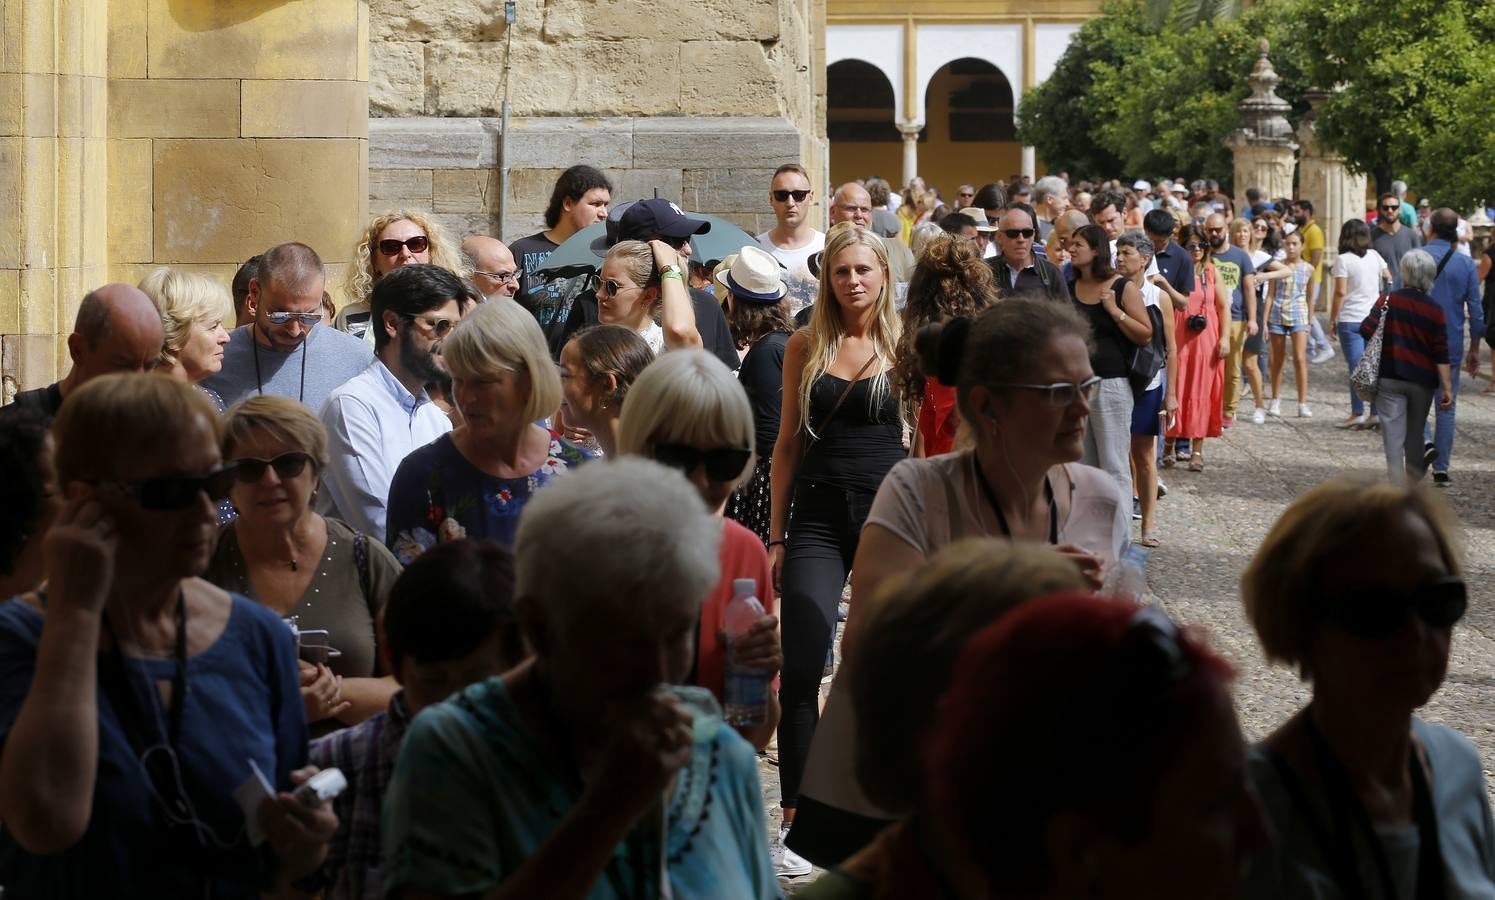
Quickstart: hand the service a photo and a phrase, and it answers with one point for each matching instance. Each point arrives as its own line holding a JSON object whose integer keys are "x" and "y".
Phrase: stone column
{"x": 1264, "y": 144}
{"x": 1337, "y": 194}
{"x": 910, "y": 132}
{"x": 52, "y": 180}
{"x": 1030, "y": 161}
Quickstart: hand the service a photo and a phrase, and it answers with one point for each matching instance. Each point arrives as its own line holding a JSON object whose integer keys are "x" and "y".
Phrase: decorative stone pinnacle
{"x": 1263, "y": 113}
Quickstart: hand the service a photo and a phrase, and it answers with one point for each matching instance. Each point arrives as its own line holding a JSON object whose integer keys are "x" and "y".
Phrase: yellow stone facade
{"x": 194, "y": 133}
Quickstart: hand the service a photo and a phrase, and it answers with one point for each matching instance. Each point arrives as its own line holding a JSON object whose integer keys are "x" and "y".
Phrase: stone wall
{"x": 700, "y": 99}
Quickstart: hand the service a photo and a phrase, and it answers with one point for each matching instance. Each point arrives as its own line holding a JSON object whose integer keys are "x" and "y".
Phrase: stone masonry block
{"x": 739, "y": 141}
{"x": 164, "y": 107}
{"x": 68, "y": 234}
{"x": 39, "y": 99}
{"x": 212, "y": 39}
{"x": 464, "y": 191}
{"x": 605, "y": 78}
{"x": 38, "y": 301}
{"x": 93, "y": 210}
{"x": 28, "y": 361}
{"x": 638, "y": 184}
{"x": 219, "y": 201}
{"x": 11, "y": 256}
{"x": 463, "y": 224}
{"x": 38, "y": 202}
{"x": 464, "y": 79}
{"x": 518, "y": 225}
{"x": 69, "y": 297}
{"x": 432, "y": 143}
{"x": 418, "y": 20}
{"x": 529, "y": 189}
{"x": 11, "y": 106}
{"x": 399, "y": 189}
{"x": 127, "y": 24}
{"x": 70, "y": 105}
{"x": 397, "y": 78}
{"x": 738, "y": 190}
{"x": 10, "y": 301}
{"x": 661, "y": 20}
{"x": 131, "y": 235}
{"x": 541, "y": 142}
{"x": 332, "y": 109}
{"x": 38, "y": 37}
{"x": 728, "y": 77}
{"x": 11, "y": 23}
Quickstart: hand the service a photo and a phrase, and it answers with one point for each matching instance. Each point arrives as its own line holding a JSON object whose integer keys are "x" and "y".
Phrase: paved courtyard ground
{"x": 1211, "y": 523}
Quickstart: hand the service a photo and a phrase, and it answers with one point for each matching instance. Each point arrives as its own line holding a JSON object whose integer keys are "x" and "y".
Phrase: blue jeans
{"x": 1442, "y": 436}
{"x": 1354, "y": 348}
{"x": 1317, "y": 342}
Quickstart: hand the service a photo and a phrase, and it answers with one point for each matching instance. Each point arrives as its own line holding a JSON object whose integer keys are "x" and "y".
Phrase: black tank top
{"x": 1113, "y": 349}
{"x": 858, "y": 446}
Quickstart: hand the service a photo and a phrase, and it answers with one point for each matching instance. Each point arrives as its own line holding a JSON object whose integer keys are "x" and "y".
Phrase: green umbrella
{"x": 583, "y": 251}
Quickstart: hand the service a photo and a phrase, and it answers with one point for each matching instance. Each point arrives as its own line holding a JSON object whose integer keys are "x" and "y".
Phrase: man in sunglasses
{"x": 286, "y": 351}
{"x": 378, "y": 417}
{"x": 793, "y": 240}
{"x": 1391, "y": 238}
{"x": 117, "y": 329}
{"x": 493, "y": 268}
{"x": 1017, "y": 269}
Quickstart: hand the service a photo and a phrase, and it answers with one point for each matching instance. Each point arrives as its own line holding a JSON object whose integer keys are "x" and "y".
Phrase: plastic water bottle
{"x": 1128, "y": 577}
{"x": 746, "y": 689}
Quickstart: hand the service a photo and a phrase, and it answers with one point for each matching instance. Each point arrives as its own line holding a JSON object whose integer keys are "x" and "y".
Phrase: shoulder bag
{"x": 1149, "y": 358}
{"x": 1367, "y": 375}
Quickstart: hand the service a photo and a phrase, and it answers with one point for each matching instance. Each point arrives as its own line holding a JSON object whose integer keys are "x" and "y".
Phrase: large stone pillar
{"x": 1030, "y": 161}
{"x": 1263, "y": 145}
{"x": 910, "y": 132}
{"x": 1337, "y": 194}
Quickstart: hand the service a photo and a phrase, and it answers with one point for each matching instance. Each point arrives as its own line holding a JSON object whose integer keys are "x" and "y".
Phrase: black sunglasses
{"x": 174, "y": 492}
{"x": 1018, "y": 232}
{"x": 286, "y": 466}
{"x": 1391, "y": 209}
{"x": 783, "y": 196}
{"x": 612, "y": 285}
{"x": 1375, "y": 614}
{"x": 1193, "y": 245}
{"x": 417, "y": 244}
{"x": 722, "y": 464}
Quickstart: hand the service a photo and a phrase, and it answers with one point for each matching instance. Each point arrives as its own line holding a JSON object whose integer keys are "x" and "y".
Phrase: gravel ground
{"x": 1211, "y": 522}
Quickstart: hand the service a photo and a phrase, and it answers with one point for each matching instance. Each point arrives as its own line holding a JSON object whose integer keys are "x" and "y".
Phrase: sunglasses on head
{"x": 1018, "y": 232}
{"x": 172, "y": 492}
{"x": 1376, "y": 613}
{"x": 440, "y": 327}
{"x": 783, "y": 196}
{"x": 417, "y": 244}
{"x": 722, "y": 463}
{"x": 286, "y": 318}
{"x": 286, "y": 466}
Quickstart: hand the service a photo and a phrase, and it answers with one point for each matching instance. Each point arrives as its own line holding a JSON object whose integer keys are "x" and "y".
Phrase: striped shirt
{"x": 1415, "y": 342}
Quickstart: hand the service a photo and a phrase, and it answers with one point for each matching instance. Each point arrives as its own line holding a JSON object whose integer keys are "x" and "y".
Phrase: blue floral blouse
{"x": 438, "y": 496}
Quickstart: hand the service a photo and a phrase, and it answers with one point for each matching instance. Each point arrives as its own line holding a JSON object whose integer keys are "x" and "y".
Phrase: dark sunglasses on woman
{"x": 722, "y": 464}
{"x": 417, "y": 244}
{"x": 172, "y": 492}
{"x": 286, "y": 466}
{"x": 1380, "y": 613}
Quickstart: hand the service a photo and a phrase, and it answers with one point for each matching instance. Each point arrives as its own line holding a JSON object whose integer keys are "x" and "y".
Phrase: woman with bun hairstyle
{"x": 950, "y": 280}
{"x": 598, "y": 366}
{"x": 839, "y": 434}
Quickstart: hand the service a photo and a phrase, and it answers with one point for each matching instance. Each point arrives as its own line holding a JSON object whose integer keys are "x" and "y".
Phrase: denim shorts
{"x": 1274, "y": 328}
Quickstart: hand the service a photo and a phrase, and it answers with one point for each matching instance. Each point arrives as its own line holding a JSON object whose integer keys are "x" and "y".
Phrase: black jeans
{"x": 823, "y": 535}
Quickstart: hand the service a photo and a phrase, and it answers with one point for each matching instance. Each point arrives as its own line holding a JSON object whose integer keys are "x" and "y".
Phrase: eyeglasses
{"x": 500, "y": 277}
{"x": 1374, "y": 613}
{"x": 1061, "y": 394}
{"x": 722, "y": 463}
{"x": 856, "y": 209}
{"x": 285, "y": 318}
{"x": 1193, "y": 245}
{"x": 286, "y": 466}
{"x": 1018, "y": 232}
{"x": 611, "y": 286}
{"x": 417, "y": 244}
{"x": 783, "y": 196}
{"x": 174, "y": 492}
{"x": 440, "y": 327}
{"x": 1259, "y": 226}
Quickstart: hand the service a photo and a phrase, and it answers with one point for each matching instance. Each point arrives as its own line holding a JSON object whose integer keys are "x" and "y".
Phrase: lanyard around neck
{"x": 259, "y": 380}
{"x": 991, "y": 498}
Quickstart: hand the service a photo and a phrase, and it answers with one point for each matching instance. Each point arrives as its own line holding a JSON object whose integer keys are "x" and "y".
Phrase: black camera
{"x": 1197, "y": 322}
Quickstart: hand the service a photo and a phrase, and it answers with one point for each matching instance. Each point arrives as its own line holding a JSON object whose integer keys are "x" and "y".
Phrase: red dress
{"x": 938, "y": 420}
{"x": 1201, "y": 372}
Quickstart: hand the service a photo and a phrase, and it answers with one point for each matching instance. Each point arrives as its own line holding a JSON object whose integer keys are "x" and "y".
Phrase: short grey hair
{"x": 922, "y": 234}
{"x": 671, "y": 543}
{"x": 1399, "y": 188}
{"x": 1137, "y": 242}
{"x": 1418, "y": 270}
{"x": 1046, "y": 186}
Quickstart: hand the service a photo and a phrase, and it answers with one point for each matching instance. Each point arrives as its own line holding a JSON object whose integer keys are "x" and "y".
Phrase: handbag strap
{"x": 845, "y": 392}
{"x": 1441, "y": 263}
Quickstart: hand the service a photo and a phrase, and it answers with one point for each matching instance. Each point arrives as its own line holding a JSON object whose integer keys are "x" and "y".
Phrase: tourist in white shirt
{"x": 374, "y": 420}
{"x": 792, "y": 241}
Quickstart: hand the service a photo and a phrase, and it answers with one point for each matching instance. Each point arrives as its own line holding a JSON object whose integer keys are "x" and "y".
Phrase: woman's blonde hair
{"x": 361, "y": 276}
{"x": 504, "y": 339}
{"x": 914, "y": 631}
{"x": 113, "y": 420}
{"x": 826, "y": 329}
{"x": 638, "y": 261}
{"x": 690, "y": 397}
{"x": 184, "y": 299}
{"x": 282, "y": 418}
{"x": 1284, "y": 583}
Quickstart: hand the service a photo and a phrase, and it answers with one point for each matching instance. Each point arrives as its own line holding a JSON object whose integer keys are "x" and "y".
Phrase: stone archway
{"x": 860, "y": 122}
{"x": 970, "y": 134}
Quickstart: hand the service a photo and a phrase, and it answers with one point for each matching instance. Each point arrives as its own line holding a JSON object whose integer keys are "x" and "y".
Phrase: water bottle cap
{"x": 744, "y": 586}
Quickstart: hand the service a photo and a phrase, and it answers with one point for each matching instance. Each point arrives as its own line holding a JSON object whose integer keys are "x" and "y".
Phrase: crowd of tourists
{"x": 479, "y": 534}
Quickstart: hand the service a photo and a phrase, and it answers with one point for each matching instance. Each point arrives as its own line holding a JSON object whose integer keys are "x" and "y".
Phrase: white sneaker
{"x": 787, "y": 863}
{"x": 1260, "y": 416}
{"x": 1274, "y": 408}
{"x": 1304, "y": 412}
{"x": 1324, "y": 355}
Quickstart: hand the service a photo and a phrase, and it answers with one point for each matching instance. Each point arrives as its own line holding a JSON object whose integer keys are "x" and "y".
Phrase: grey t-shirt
{"x": 332, "y": 357}
{"x": 1393, "y": 247}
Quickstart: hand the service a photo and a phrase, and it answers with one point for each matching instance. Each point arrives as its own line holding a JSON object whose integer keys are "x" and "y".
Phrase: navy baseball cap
{"x": 644, "y": 219}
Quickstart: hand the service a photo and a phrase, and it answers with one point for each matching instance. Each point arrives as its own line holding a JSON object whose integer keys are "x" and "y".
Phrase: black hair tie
{"x": 952, "y": 349}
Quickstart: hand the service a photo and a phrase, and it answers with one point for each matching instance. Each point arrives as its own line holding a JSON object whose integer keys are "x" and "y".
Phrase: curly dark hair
{"x": 950, "y": 280}
{"x": 23, "y": 492}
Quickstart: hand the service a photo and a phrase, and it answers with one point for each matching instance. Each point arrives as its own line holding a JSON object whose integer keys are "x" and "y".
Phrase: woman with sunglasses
{"x": 640, "y": 286}
{"x": 1023, "y": 382}
{"x": 1119, "y": 325}
{"x": 688, "y": 412}
{"x": 1358, "y": 587}
{"x": 1203, "y": 343}
{"x": 136, "y": 696}
{"x": 476, "y": 480}
{"x": 301, "y": 564}
{"x": 396, "y": 238}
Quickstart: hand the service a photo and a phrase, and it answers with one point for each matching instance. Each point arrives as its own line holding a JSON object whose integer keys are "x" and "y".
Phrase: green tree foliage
{"x": 1185, "y": 14}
